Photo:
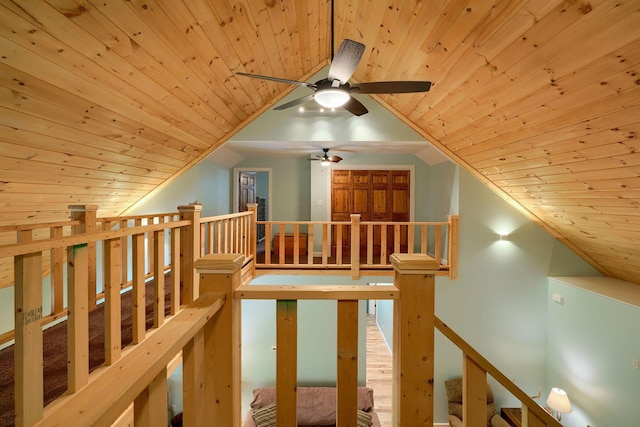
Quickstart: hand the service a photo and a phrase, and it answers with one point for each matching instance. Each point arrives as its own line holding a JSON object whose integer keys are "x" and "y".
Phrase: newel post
{"x": 28, "y": 346}
{"x": 413, "y": 339}
{"x": 189, "y": 251}
{"x": 87, "y": 215}
{"x": 212, "y": 391}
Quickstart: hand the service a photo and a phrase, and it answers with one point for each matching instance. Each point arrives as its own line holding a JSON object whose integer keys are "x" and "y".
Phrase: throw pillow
{"x": 364, "y": 419}
{"x": 266, "y": 416}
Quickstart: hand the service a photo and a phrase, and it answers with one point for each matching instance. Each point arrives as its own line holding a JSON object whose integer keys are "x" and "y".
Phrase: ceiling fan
{"x": 335, "y": 90}
{"x": 326, "y": 159}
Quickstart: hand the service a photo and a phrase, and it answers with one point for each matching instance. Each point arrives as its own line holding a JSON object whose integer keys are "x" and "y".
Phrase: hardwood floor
{"x": 379, "y": 371}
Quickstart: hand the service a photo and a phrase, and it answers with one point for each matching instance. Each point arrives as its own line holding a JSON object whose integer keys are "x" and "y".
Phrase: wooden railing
{"x": 133, "y": 380}
{"x": 475, "y": 368}
{"x": 356, "y": 245}
{"x": 211, "y": 261}
{"x": 413, "y": 352}
{"x": 139, "y": 378}
{"x": 74, "y": 244}
{"x": 231, "y": 234}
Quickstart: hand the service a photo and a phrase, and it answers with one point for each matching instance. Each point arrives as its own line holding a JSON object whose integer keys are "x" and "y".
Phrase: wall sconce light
{"x": 559, "y": 401}
{"x": 503, "y": 237}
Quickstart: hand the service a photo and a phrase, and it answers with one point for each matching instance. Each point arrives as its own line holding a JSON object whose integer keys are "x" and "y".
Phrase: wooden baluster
{"x": 413, "y": 316}
{"x": 286, "y": 362}
{"x": 310, "y": 244}
{"x": 158, "y": 285}
{"x": 124, "y": 251}
{"x": 86, "y": 214}
{"x": 57, "y": 274}
{"x": 150, "y": 407}
{"x": 175, "y": 271}
{"x": 454, "y": 237}
{"x": 355, "y": 246}
{"x": 209, "y": 239}
{"x": 150, "y": 244}
{"x": 347, "y": 375}
{"x": 219, "y": 237}
{"x": 137, "y": 291}
{"x": 338, "y": 244}
{"x": 267, "y": 244}
{"x": 383, "y": 244}
{"x": 474, "y": 393}
{"x": 112, "y": 276}
{"x": 410, "y": 238}
{"x": 226, "y": 236}
{"x": 438, "y": 241}
{"x": 193, "y": 398}
{"x": 203, "y": 240}
{"x": 237, "y": 238}
{"x": 424, "y": 243}
{"x": 281, "y": 244}
{"x": 78, "y": 319}
{"x": 28, "y": 338}
{"x": 369, "y": 244}
{"x": 296, "y": 244}
{"x": 221, "y": 379}
{"x": 189, "y": 246}
{"x": 325, "y": 243}
{"x": 529, "y": 419}
{"x": 396, "y": 238}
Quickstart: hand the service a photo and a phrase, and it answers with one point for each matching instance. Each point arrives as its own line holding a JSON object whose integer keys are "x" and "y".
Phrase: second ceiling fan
{"x": 326, "y": 159}
{"x": 335, "y": 90}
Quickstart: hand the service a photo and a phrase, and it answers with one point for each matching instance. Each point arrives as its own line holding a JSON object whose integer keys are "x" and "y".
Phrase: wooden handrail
{"x": 141, "y": 216}
{"x": 490, "y": 369}
{"x": 102, "y": 401}
{"x": 62, "y": 242}
{"x": 43, "y": 225}
{"x": 316, "y": 292}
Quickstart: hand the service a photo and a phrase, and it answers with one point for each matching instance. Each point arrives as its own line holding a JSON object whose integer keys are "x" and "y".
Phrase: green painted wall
{"x": 207, "y": 182}
{"x": 499, "y": 302}
{"x": 291, "y": 183}
{"x": 592, "y": 341}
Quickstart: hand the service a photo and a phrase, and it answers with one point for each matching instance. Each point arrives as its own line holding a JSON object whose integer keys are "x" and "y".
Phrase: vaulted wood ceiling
{"x": 101, "y": 102}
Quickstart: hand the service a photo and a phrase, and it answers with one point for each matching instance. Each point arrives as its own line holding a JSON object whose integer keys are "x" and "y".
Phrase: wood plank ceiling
{"x": 103, "y": 101}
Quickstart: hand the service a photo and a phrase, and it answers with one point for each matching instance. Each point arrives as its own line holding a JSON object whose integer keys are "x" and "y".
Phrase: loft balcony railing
{"x": 209, "y": 263}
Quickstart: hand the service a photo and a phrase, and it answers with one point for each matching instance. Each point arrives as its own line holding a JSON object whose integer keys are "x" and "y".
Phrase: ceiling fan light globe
{"x": 325, "y": 163}
{"x": 331, "y": 98}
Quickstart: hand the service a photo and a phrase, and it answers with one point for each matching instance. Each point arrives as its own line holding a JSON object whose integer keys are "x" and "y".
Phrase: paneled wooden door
{"x": 377, "y": 195}
{"x": 247, "y": 187}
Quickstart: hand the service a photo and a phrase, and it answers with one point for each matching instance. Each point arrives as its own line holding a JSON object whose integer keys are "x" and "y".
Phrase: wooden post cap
{"x": 413, "y": 263}
{"x": 219, "y": 263}
{"x": 195, "y": 206}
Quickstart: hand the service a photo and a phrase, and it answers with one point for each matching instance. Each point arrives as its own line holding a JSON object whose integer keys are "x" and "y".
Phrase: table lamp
{"x": 559, "y": 401}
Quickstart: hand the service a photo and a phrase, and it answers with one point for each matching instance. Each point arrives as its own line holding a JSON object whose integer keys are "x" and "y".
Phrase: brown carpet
{"x": 55, "y": 352}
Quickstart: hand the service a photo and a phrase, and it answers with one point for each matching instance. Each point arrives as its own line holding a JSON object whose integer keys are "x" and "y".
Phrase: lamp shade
{"x": 331, "y": 98}
{"x": 559, "y": 401}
